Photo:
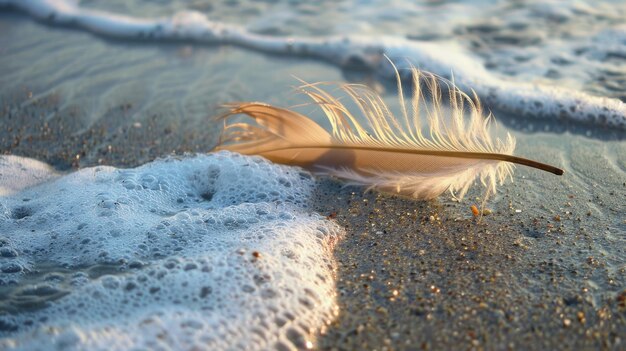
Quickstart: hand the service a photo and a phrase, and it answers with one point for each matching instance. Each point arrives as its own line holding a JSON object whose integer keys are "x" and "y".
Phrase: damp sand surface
{"x": 428, "y": 275}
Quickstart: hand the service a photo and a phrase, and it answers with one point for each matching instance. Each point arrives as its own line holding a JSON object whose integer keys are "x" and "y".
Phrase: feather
{"x": 387, "y": 153}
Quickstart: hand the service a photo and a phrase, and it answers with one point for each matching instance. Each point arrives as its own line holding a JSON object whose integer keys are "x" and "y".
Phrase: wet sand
{"x": 428, "y": 275}
{"x": 39, "y": 130}
{"x": 545, "y": 270}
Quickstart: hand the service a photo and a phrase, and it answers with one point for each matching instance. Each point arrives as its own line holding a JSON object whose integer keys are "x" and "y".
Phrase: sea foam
{"x": 443, "y": 58}
{"x": 209, "y": 252}
{"x": 18, "y": 173}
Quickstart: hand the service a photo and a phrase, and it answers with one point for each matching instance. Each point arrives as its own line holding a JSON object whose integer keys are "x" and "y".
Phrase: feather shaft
{"x": 441, "y": 153}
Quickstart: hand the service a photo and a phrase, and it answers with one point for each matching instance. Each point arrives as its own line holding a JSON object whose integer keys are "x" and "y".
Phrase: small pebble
{"x": 475, "y": 211}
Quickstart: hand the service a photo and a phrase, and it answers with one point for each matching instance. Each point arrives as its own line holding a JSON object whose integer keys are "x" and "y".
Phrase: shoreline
{"x": 411, "y": 274}
{"x": 547, "y": 101}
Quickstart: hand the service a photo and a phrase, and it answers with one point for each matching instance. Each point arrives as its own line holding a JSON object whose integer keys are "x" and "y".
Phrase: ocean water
{"x": 96, "y": 95}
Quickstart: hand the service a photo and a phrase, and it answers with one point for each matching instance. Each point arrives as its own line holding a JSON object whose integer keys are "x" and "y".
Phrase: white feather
{"x": 386, "y": 153}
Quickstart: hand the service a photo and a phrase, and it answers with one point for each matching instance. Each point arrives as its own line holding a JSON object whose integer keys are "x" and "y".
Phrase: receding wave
{"x": 443, "y": 58}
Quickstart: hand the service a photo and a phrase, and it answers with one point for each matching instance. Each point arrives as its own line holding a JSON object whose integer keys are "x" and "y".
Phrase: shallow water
{"x": 74, "y": 99}
{"x": 578, "y": 44}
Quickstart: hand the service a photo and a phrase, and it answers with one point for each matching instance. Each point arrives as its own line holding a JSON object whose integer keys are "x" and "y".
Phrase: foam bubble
{"x": 531, "y": 99}
{"x": 210, "y": 251}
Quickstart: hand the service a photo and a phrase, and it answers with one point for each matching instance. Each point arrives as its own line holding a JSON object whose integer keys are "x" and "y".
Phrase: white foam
{"x": 18, "y": 173}
{"x": 208, "y": 252}
{"x": 531, "y": 99}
